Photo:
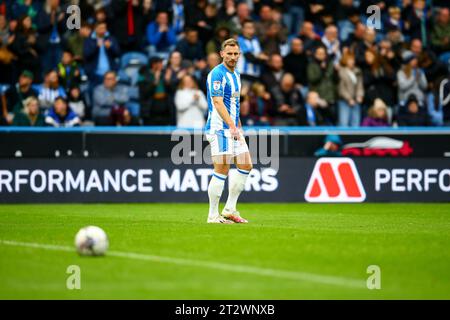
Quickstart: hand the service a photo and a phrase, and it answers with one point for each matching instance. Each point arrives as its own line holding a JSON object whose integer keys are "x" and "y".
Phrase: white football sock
{"x": 236, "y": 185}
{"x": 215, "y": 189}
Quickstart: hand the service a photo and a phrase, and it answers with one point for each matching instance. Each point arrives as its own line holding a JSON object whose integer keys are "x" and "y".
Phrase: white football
{"x": 91, "y": 241}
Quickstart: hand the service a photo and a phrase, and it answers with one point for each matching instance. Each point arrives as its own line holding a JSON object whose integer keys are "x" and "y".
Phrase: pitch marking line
{"x": 291, "y": 275}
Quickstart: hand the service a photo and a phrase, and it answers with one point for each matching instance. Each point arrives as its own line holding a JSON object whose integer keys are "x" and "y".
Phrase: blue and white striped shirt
{"x": 253, "y": 46}
{"x": 222, "y": 83}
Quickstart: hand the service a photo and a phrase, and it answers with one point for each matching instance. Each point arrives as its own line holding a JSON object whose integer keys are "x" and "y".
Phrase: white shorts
{"x": 222, "y": 143}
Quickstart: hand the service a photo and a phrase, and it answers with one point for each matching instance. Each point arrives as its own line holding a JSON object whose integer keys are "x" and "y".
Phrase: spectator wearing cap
{"x": 30, "y": 115}
{"x": 60, "y": 115}
{"x": 412, "y": 114}
{"x": 100, "y": 51}
{"x": 411, "y": 79}
{"x": 106, "y": 96}
{"x": 377, "y": 116}
{"x": 49, "y": 90}
{"x": 15, "y": 95}
{"x": 351, "y": 92}
{"x": 161, "y": 36}
{"x": 331, "y": 148}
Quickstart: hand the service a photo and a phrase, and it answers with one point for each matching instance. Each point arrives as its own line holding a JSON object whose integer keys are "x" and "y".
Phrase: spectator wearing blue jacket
{"x": 60, "y": 115}
{"x": 100, "y": 51}
{"x": 161, "y": 36}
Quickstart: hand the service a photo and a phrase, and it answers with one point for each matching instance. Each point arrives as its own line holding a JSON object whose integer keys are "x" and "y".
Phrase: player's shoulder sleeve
{"x": 217, "y": 83}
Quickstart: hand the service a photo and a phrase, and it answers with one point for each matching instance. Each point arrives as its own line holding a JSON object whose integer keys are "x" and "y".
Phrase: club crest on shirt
{"x": 236, "y": 94}
{"x": 216, "y": 85}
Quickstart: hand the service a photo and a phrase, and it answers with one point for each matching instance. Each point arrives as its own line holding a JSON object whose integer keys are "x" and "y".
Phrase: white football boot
{"x": 220, "y": 219}
{"x": 234, "y": 216}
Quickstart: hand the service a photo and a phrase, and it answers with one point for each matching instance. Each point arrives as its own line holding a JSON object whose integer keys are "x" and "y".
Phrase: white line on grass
{"x": 292, "y": 275}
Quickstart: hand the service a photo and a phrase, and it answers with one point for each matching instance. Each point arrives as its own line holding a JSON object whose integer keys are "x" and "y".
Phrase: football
{"x": 91, "y": 241}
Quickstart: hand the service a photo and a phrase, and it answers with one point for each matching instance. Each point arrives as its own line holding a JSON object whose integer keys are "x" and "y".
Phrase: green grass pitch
{"x": 287, "y": 251}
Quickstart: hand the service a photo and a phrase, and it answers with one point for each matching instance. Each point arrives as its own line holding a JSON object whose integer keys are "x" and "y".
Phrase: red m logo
{"x": 335, "y": 180}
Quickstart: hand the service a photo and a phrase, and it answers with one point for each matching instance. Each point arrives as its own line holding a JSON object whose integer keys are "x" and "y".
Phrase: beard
{"x": 230, "y": 64}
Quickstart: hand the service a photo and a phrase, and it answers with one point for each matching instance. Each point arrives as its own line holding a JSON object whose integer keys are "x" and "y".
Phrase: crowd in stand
{"x": 303, "y": 63}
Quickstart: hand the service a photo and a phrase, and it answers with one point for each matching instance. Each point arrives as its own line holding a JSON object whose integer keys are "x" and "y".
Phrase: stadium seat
{"x": 130, "y": 64}
{"x": 133, "y": 105}
{"x": 3, "y": 87}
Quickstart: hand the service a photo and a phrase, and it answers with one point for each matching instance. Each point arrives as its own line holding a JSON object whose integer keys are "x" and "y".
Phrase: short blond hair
{"x": 229, "y": 42}
{"x": 29, "y": 100}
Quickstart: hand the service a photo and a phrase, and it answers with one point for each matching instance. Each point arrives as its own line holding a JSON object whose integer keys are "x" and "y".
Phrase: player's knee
{"x": 246, "y": 167}
{"x": 222, "y": 169}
